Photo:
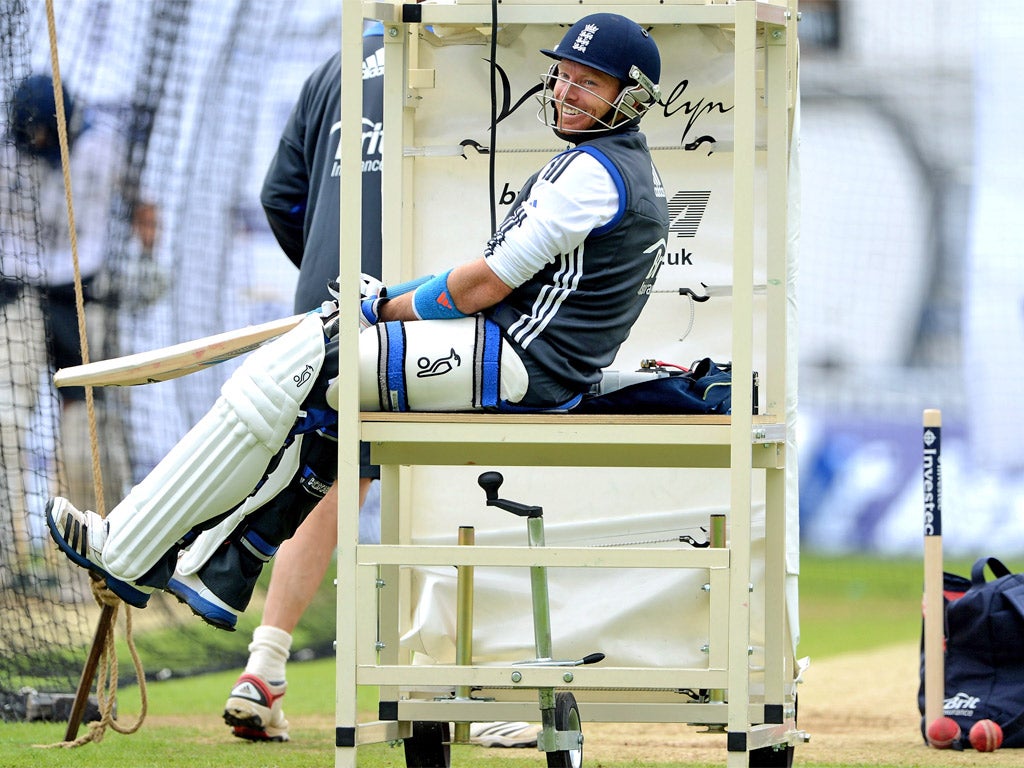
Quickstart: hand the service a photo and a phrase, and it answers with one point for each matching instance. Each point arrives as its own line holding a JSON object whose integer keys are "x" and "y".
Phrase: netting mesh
{"x": 885, "y": 154}
{"x": 190, "y": 96}
{"x": 196, "y": 93}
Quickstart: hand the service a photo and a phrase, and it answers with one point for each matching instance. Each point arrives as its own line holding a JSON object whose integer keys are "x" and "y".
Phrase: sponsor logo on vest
{"x": 373, "y": 65}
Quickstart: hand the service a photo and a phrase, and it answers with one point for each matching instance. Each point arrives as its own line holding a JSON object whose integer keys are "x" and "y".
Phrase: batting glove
{"x": 329, "y": 312}
{"x": 369, "y": 311}
{"x": 372, "y": 292}
{"x": 369, "y": 287}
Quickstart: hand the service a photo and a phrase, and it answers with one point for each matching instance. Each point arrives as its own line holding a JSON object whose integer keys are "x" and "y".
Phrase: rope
{"x": 106, "y": 685}
{"x": 65, "y": 162}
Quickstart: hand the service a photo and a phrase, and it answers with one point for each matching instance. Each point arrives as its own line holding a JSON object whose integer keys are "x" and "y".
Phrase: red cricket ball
{"x": 943, "y": 732}
{"x": 986, "y": 736}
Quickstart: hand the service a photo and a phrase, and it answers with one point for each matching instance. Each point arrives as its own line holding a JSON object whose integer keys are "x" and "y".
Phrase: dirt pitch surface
{"x": 858, "y": 710}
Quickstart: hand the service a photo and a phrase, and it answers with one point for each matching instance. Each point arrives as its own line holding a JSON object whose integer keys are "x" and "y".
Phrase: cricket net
{"x": 195, "y": 95}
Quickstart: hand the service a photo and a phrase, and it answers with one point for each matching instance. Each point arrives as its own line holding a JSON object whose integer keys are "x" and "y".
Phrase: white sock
{"x": 268, "y": 653}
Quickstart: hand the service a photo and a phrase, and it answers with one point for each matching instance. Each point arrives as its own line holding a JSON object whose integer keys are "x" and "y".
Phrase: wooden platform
{"x": 562, "y": 439}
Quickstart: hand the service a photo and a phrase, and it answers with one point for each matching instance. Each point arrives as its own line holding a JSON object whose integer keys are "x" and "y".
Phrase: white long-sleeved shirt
{"x": 562, "y": 210}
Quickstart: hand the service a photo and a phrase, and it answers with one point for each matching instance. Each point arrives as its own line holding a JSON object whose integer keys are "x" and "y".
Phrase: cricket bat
{"x": 934, "y": 639}
{"x": 173, "y": 361}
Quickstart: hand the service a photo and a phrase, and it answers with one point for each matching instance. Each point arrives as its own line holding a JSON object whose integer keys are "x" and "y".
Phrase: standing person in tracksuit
{"x": 301, "y": 198}
{"x": 526, "y": 326}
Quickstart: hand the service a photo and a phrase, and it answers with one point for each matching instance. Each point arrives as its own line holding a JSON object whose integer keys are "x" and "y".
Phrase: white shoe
{"x": 254, "y": 711}
{"x": 504, "y": 734}
{"x": 81, "y": 536}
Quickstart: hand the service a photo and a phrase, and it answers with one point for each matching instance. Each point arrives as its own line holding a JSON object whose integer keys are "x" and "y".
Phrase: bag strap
{"x": 1013, "y": 727}
{"x": 978, "y": 571}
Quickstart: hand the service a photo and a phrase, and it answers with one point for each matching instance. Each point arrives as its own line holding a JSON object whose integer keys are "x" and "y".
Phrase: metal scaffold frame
{"x": 373, "y": 590}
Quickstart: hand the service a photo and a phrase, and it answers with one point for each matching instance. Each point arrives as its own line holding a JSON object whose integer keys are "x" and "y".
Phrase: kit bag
{"x": 704, "y": 389}
{"x": 984, "y": 661}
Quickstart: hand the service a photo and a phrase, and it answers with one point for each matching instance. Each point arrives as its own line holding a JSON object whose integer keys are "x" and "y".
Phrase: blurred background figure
{"x": 39, "y": 273}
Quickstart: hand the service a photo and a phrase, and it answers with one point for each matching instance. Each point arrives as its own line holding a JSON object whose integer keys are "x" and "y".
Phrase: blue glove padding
{"x": 368, "y": 312}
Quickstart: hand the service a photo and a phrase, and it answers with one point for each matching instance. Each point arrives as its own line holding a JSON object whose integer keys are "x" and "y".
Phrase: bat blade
{"x": 173, "y": 361}
{"x": 934, "y": 641}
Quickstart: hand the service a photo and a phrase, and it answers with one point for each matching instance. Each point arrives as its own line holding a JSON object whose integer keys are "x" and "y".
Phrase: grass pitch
{"x": 848, "y": 605}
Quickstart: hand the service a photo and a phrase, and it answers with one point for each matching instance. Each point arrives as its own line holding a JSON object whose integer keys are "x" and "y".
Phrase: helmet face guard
{"x": 630, "y": 104}
{"x": 617, "y": 46}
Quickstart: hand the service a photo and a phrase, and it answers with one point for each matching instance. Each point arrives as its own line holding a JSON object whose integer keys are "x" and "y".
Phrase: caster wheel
{"x": 429, "y": 746}
{"x": 567, "y": 718}
{"x": 770, "y": 757}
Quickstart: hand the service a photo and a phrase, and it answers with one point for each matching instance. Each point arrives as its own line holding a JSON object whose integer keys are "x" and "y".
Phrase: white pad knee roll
{"x": 222, "y": 458}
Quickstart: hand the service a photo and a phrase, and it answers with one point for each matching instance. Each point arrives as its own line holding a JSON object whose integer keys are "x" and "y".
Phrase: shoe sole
{"x": 249, "y": 726}
{"x": 253, "y": 734}
{"x": 243, "y": 720}
{"x": 212, "y": 614}
{"x": 134, "y": 597}
{"x": 502, "y": 744}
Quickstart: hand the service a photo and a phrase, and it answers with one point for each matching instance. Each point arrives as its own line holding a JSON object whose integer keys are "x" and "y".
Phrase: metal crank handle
{"x": 591, "y": 658}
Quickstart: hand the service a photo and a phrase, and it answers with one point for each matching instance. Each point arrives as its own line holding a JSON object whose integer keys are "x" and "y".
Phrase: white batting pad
{"x": 220, "y": 460}
{"x": 206, "y": 544}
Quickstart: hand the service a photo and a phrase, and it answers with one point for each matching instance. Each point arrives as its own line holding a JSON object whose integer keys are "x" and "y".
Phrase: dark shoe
{"x": 81, "y": 535}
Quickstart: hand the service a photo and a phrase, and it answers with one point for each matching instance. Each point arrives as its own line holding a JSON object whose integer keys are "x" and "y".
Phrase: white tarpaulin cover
{"x": 642, "y": 617}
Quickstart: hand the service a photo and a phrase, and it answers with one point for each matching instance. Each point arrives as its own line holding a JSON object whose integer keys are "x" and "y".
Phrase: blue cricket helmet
{"x": 620, "y": 47}
{"x": 32, "y": 105}
{"x": 611, "y": 43}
